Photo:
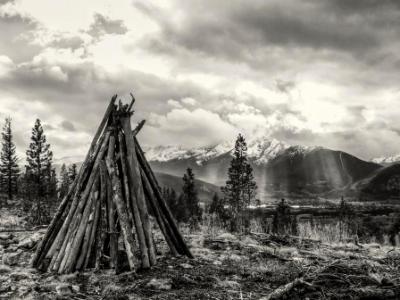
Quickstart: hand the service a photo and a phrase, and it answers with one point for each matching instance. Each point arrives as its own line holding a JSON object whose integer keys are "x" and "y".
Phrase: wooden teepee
{"x": 108, "y": 202}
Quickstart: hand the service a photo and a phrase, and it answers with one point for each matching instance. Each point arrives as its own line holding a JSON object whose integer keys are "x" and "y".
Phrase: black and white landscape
{"x": 199, "y": 149}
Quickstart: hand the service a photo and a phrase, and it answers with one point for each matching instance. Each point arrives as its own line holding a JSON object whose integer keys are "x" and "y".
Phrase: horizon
{"x": 263, "y": 69}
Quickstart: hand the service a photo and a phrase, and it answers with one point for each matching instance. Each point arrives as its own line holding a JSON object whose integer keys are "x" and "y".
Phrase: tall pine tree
{"x": 240, "y": 188}
{"x": 9, "y": 170}
{"x": 64, "y": 181}
{"x": 190, "y": 200}
{"x": 40, "y": 172}
{"x": 72, "y": 173}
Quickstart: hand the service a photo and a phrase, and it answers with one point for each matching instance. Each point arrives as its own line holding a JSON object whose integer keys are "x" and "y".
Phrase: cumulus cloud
{"x": 104, "y": 25}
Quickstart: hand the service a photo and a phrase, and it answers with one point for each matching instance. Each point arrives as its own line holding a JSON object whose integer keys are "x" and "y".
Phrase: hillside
{"x": 205, "y": 190}
{"x": 382, "y": 184}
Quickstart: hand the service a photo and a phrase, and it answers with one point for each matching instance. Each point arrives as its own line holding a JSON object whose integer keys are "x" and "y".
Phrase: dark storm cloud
{"x": 232, "y": 29}
{"x": 104, "y": 25}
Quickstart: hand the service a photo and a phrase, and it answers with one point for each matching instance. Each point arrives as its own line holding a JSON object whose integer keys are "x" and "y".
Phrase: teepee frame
{"x": 107, "y": 202}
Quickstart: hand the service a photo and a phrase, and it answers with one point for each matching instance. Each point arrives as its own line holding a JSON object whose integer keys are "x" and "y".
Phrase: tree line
{"x": 36, "y": 185}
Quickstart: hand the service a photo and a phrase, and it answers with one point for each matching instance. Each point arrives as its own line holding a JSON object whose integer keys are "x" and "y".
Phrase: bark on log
{"x": 78, "y": 201}
{"x": 181, "y": 246}
{"x": 162, "y": 223}
{"x": 72, "y": 255}
{"x": 282, "y": 290}
{"x": 111, "y": 210}
{"x": 86, "y": 239}
{"x": 92, "y": 235}
{"x": 122, "y": 213}
{"x": 125, "y": 180}
{"x": 103, "y": 214}
{"x": 137, "y": 187}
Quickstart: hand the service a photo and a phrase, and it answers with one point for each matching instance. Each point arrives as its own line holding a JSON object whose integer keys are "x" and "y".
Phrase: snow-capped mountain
{"x": 260, "y": 151}
{"x": 387, "y": 160}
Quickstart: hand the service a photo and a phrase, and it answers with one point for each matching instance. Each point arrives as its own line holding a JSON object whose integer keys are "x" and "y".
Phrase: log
{"x": 73, "y": 223}
{"x": 132, "y": 102}
{"x": 137, "y": 192}
{"x": 72, "y": 255}
{"x": 181, "y": 247}
{"x": 92, "y": 235}
{"x": 103, "y": 215}
{"x": 124, "y": 174}
{"x": 86, "y": 239}
{"x": 169, "y": 238}
{"x": 61, "y": 237}
{"x": 52, "y": 230}
{"x": 122, "y": 213}
{"x": 111, "y": 210}
{"x": 138, "y": 127}
{"x": 280, "y": 292}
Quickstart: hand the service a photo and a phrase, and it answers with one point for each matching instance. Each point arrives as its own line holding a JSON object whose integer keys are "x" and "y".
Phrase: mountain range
{"x": 280, "y": 170}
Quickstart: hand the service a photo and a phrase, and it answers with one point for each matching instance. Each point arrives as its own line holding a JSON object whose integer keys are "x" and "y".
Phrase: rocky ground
{"x": 225, "y": 267}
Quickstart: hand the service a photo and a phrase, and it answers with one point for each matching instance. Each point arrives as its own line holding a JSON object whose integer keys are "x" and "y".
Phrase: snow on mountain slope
{"x": 387, "y": 160}
{"x": 259, "y": 150}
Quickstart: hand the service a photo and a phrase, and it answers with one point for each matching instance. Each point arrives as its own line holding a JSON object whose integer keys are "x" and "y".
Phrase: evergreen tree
{"x": 283, "y": 222}
{"x": 217, "y": 208}
{"x": 190, "y": 200}
{"x": 40, "y": 172}
{"x": 347, "y": 219}
{"x": 9, "y": 170}
{"x": 64, "y": 181}
{"x": 240, "y": 188}
{"x": 72, "y": 173}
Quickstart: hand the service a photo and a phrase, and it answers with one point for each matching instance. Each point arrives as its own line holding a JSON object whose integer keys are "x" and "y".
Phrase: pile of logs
{"x": 109, "y": 202}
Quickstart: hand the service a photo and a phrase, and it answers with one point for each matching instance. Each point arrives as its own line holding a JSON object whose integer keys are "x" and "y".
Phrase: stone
{"x": 230, "y": 284}
{"x": 26, "y": 244}
{"x": 164, "y": 284}
{"x": 64, "y": 289}
{"x": 186, "y": 266}
{"x": 17, "y": 276}
{"x": 6, "y": 236}
{"x": 12, "y": 259}
{"x": 4, "y": 269}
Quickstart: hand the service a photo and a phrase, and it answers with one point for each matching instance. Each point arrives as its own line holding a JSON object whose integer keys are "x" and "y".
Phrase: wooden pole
{"x": 86, "y": 239}
{"x": 122, "y": 213}
{"x": 169, "y": 238}
{"x": 60, "y": 239}
{"x": 78, "y": 213}
{"x": 71, "y": 254}
{"x": 111, "y": 210}
{"x": 124, "y": 175}
{"x": 161, "y": 202}
{"x": 103, "y": 214}
{"x": 137, "y": 187}
{"x": 92, "y": 235}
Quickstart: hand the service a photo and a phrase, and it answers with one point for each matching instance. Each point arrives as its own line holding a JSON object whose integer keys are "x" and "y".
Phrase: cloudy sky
{"x": 311, "y": 72}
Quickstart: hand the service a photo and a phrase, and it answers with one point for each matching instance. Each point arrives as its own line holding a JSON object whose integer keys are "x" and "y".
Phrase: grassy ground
{"x": 225, "y": 267}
